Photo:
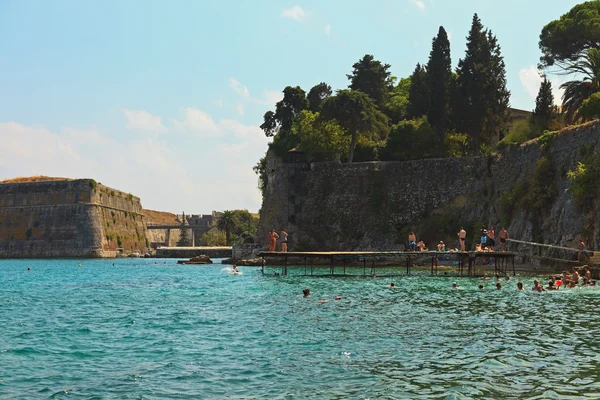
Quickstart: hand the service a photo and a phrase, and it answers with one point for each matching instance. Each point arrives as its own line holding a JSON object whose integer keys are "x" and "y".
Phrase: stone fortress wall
{"x": 373, "y": 205}
{"x": 69, "y": 218}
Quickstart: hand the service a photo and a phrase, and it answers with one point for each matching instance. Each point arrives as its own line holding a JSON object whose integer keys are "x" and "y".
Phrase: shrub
{"x": 590, "y": 108}
{"x": 519, "y": 133}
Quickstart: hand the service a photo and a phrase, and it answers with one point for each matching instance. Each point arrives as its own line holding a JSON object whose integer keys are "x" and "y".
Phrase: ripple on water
{"x": 139, "y": 330}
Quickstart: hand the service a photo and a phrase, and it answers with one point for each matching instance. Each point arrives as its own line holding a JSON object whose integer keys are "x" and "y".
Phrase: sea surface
{"x": 152, "y": 329}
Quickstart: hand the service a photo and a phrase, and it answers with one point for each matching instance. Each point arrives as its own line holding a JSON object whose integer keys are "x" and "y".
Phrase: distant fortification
{"x": 374, "y": 205}
{"x": 69, "y": 218}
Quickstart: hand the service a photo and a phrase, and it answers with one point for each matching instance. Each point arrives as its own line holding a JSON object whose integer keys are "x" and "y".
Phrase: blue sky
{"x": 163, "y": 98}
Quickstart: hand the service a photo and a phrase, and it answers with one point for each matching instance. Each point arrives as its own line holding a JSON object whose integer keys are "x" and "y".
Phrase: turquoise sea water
{"x": 140, "y": 330}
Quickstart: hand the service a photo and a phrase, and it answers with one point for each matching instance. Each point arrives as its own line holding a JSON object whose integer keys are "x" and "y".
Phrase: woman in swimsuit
{"x": 284, "y": 241}
{"x": 272, "y": 236}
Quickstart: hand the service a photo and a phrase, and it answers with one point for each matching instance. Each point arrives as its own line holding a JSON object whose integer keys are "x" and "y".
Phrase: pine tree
{"x": 417, "y": 94}
{"x": 544, "y": 107}
{"x": 184, "y": 238}
{"x": 372, "y": 77}
{"x": 439, "y": 76}
{"x": 481, "y": 108}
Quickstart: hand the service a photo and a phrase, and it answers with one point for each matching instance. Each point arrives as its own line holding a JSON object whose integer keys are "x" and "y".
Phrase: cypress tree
{"x": 417, "y": 94}
{"x": 184, "y": 238}
{"x": 439, "y": 75}
{"x": 544, "y": 106}
{"x": 481, "y": 109}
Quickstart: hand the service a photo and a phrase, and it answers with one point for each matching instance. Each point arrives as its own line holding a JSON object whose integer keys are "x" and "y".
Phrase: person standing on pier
{"x": 503, "y": 235}
{"x": 491, "y": 239}
{"x": 462, "y": 237}
{"x": 412, "y": 241}
{"x": 284, "y": 241}
{"x": 583, "y": 252}
{"x": 272, "y": 236}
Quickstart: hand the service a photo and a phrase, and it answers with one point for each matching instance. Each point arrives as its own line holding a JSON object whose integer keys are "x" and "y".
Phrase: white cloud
{"x": 197, "y": 121}
{"x": 531, "y": 80}
{"x": 295, "y": 13}
{"x": 418, "y": 3}
{"x": 191, "y": 171}
{"x": 142, "y": 120}
{"x": 327, "y": 30}
{"x": 240, "y": 89}
{"x": 240, "y": 109}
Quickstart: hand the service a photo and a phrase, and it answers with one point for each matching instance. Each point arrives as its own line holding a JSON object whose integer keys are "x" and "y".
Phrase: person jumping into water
{"x": 462, "y": 237}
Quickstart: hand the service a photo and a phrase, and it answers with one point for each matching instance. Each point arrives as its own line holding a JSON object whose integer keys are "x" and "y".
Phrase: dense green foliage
{"x": 520, "y": 132}
{"x": 372, "y": 78}
{"x": 545, "y": 110}
{"x": 321, "y": 139}
{"x": 398, "y": 101}
{"x": 228, "y": 222}
{"x": 565, "y": 39}
{"x": 417, "y": 95}
{"x": 578, "y": 90}
{"x": 439, "y": 75}
{"x": 317, "y": 94}
{"x": 357, "y": 114}
{"x": 590, "y": 108}
{"x": 184, "y": 234}
{"x": 584, "y": 179}
{"x": 410, "y": 140}
{"x": 481, "y": 101}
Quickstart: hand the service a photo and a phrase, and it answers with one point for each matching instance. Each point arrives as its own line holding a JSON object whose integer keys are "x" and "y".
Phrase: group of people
{"x": 487, "y": 241}
{"x": 273, "y": 236}
{"x": 566, "y": 280}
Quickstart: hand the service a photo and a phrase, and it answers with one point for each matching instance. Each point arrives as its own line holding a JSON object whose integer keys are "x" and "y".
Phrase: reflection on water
{"x": 137, "y": 329}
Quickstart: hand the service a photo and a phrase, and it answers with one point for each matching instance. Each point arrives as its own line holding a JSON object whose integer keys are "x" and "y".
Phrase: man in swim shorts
{"x": 503, "y": 235}
{"x": 491, "y": 239}
{"x": 462, "y": 237}
{"x": 412, "y": 241}
{"x": 583, "y": 252}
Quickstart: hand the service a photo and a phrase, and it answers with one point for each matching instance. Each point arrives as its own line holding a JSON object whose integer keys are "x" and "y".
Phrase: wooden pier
{"x": 466, "y": 261}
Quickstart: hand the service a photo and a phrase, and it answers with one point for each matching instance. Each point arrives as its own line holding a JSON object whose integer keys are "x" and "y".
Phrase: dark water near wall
{"x": 139, "y": 330}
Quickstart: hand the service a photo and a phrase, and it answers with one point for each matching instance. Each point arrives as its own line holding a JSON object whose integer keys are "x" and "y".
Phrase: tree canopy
{"x": 418, "y": 98}
{"x": 317, "y": 94}
{"x": 372, "y": 77}
{"x": 565, "y": 39}
{"x": 357, "y": 114}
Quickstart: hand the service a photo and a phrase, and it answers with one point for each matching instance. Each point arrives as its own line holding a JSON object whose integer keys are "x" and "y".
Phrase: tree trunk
{"x": 227, "y": 237}
{"x": 352, "y": 146}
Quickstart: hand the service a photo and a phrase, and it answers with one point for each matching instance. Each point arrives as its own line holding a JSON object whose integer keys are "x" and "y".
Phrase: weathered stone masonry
{"x": 77, "y": 218}
{"x": 362, "y": 206}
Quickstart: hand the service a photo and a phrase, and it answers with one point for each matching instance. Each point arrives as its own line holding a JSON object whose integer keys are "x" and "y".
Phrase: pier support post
{"x": 168, "y": 238}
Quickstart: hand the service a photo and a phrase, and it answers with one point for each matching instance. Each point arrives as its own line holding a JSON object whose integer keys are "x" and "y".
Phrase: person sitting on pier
{"x": 536, "y": 285}
{"x": 272, "y": 236}
{"x": 441, "y": 246}
{"x": 412, "y": 241}
{"x": 583, "y": 252}
{"x": 503, "y": 235}
{"x": 520, "y": 286}
{"x": 421, "y": 246}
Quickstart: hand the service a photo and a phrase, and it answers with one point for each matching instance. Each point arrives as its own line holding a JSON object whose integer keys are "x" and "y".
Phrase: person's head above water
{"x": 392, "y": 284}
{"x": 480, "y": 286}
{"x": 498, "y": 286}
{"x": 520, "y": 285}
{"x": 454, "y": 285}
{"x": 306, "y": 292}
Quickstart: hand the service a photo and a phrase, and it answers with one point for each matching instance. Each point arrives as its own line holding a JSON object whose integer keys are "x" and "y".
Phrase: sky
{"x": 163, "y": 99}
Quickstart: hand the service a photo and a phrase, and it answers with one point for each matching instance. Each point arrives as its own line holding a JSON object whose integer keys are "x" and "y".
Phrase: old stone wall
{"x": 365, "y": 206}
{"x": 77, "y": 218}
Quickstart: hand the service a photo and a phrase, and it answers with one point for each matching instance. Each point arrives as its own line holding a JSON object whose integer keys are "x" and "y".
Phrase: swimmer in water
{"x": 520, "y": 286}
{"x": 306, "y": 292}
{"x": 28, "y": 269}
{"x": 480, "y": 287}
{"x": 484, "y": 277}
{"x": 337, "y": 298}
{"x": 498, "y": 286}
{"x": 506, "y": 278}
{"x": 235, "y": 269}
{"x": 454, "y": 285}
{"x": 393, "y": 285}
